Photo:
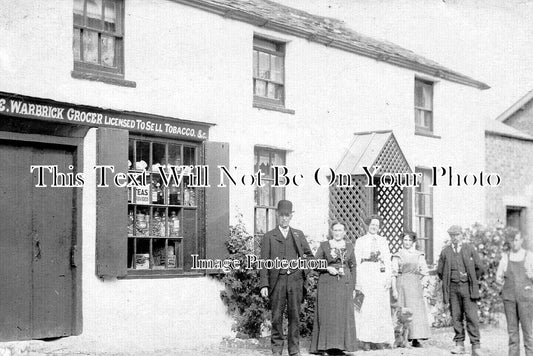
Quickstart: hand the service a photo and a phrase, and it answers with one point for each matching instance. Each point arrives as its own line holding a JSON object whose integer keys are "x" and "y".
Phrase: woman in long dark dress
{"x": 334, "y": 325}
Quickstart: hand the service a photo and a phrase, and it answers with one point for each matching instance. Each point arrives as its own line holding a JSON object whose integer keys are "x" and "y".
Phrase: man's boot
{"x": 459, "y": 348}
{"x": 476, "y": 351}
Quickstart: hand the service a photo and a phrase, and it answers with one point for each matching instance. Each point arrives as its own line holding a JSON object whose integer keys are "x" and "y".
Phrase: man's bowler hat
{"x": 284, "y": 207}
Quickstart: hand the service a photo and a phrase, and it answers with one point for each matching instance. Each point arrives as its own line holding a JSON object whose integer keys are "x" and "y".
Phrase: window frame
{"x": 179, "y": 269}
{"x": 258, "y": 150}
{"x": 118, "y": 35}
{"x": 279, "y": 52}
{"x": 423, "y": 220}
{"x": 422, "y": 129}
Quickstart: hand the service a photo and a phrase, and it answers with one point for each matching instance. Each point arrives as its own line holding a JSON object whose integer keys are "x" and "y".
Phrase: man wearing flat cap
{"x": 459, "y": 269}
{"x": 284, "y": 287}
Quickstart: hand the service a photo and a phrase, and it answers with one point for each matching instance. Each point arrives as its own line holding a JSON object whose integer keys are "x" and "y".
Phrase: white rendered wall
{"x": 194, "y": 65}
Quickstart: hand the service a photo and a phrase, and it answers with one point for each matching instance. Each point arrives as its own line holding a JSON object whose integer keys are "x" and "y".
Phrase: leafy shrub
{"x": 307, "y": 313}
{"x": 438, "y": 311}
{"x": 242, "y": 293}
{"x": 489, "y": 242}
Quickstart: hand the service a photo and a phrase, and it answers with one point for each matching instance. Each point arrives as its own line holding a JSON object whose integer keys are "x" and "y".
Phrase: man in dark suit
{"x": 284, "y": 287}
{"x": 459, "y": 269}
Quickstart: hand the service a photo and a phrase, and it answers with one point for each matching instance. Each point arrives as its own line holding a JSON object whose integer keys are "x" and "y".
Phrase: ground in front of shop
{"x": 493, "y": 339}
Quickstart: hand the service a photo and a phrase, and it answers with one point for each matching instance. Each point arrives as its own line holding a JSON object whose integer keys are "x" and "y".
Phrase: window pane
{"x": 264, "y": 163}
{"x": 143, "y": 155}
{"x": 274, "y": 91}
{"x": 131, "y": 159}
{"x": 260, "y": 221}
{"x": 76, "y": 44}
{"x": 271, "y": 219}
{"x": 420, "y": 206}
{"x": 90, "y": 46}
{"x": 78, "y": 12}
{"x": 264, "y": 65}
{"x": 94, "y": 13}
{"x": 278, "y": 194}
{"x": 265, "y": 192}
{"x": 419, "y": 114}
{"x": 271, "y": 91}
{"x": 108, "y": 51}
{"x": 260, "y": 88}
{"x": 277, "y": 69}
{"x": 427, "y": 204}
{"x": 419, "y": 96}
{"x": 256, "y": 63}
{"x": 188, "y": 156}
{"x": 110, "y": 16}
{"x": 158, "y": 156}
{"x": 428, "y": 119}
{"x": 279, "y": 159}
{"x": 428, "y": 95}
{"x": 174, "y": 155}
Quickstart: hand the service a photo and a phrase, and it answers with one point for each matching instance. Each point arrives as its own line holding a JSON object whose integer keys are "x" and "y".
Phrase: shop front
{"x": 147, "y": 187}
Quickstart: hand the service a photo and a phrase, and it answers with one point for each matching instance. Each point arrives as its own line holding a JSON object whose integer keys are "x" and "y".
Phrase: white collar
{"x": 337, "y": 244}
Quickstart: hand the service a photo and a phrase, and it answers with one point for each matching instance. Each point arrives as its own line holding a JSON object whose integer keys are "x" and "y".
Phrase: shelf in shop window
{"x": 155, "y": 237}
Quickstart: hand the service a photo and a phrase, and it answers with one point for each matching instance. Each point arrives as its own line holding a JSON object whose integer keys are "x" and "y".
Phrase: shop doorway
{"x": 37, "y": 243}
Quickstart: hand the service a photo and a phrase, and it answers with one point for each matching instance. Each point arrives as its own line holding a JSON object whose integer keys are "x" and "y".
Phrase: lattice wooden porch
{"x": 352, "y": 205}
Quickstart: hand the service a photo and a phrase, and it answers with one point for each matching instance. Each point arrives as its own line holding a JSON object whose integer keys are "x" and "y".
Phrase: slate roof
{"x": 328, "y": 31}
{"x": 501, "y": 129}
{"x": 365, "y": 150}
{"x": 523, "y": 101}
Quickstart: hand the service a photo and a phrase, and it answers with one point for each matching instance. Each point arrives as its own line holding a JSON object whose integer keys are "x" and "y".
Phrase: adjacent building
{"x": 509, "y": 150}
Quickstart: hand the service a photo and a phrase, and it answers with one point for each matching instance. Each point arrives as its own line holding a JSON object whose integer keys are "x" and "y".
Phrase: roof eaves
{"x": 367, "y": 51}
{"x": 515, "y": 107}
{"x": 509, "y": 135}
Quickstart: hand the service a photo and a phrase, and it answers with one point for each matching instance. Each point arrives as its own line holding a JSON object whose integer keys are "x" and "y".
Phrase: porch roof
{"x": 373, "y": 148}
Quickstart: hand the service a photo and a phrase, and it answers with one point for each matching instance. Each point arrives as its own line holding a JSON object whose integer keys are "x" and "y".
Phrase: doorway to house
{"x": 516, "y": 217}
{"x": 37, "y": 235}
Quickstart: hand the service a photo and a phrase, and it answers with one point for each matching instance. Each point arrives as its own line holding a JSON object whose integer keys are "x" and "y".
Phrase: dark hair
{"x": 509, "y": 236}
{"x": 336, "y": 222}
{"x": 369, "y": 219}
{"x": 411, "y": 234}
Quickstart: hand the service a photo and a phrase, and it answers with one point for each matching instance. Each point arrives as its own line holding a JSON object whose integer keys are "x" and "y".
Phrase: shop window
{"x": 267, "y": 197}
{"x": 162, "y": 220}
{"x": 98, "y": 37}
{"x": 423, "y": 106}
{"x": 424, "y": 214}
{"x": 269, "y": 72}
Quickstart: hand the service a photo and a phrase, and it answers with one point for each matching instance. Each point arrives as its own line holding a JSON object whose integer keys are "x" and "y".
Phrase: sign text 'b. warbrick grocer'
{"x": 16, "y": 105}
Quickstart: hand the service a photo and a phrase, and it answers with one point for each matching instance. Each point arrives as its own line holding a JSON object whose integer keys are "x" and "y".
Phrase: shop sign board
{"x": 34, "y": 108}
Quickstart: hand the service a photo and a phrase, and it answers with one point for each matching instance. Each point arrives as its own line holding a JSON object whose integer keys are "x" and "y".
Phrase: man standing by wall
{"x": 284, "y": 287}
{"x": 460, "y": 269}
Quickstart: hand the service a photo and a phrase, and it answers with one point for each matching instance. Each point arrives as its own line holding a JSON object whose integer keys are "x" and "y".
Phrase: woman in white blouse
{"x": 373, "y": 321}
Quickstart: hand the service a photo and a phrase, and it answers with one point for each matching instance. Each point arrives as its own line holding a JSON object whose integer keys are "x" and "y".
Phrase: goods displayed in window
{"x": 156, "y": 211}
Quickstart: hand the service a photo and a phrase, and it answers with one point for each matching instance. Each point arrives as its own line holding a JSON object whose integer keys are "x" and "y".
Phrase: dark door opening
{"x": 38, "y": 227}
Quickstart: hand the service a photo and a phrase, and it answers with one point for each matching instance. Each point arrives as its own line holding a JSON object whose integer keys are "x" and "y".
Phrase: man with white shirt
{"x": 459, "y": 269}
{"x": 284, "y": 287}
{"x": 515, "y": 272}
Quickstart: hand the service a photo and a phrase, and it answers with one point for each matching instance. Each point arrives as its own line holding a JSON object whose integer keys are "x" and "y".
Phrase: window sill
{"x": 103, "y": 78}
{"x": 426, "y": 134}
{"x": 273, "y": 107}
{"x": 158, "y": 274}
